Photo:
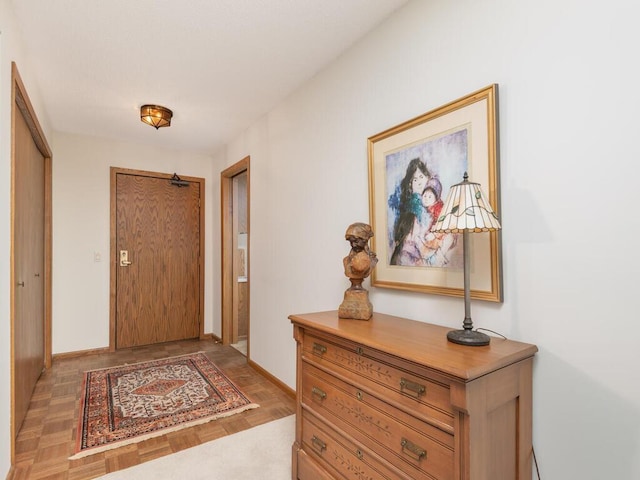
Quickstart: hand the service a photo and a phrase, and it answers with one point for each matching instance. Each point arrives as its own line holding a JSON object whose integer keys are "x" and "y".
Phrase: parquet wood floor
{"x": 47, "y": 436}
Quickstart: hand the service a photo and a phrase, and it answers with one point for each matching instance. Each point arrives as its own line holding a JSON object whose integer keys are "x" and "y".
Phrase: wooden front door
{"x": 29, "y": 267}
{"x": 158, "y": 258}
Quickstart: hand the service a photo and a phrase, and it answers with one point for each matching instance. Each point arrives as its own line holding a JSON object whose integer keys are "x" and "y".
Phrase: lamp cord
{"x": 487, "y": 330}
{"x": 535, "y": 461}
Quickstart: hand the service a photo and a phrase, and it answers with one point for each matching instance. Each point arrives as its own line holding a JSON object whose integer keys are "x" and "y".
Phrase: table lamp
{"x": 465, "y": 211}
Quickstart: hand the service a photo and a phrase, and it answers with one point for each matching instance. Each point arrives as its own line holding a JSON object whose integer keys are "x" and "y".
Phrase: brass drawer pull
{"x": 415, "y": 388}
{"x": 359, "y": 454}
{"x": 318, "y": 444}
{"x": 413, "y": 450}
{"x": 317, "y": 392}
{"x": 319, "y": 349}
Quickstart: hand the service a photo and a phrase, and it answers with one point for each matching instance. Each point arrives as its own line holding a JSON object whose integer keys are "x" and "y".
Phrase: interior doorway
{"x": 234, "y": 185}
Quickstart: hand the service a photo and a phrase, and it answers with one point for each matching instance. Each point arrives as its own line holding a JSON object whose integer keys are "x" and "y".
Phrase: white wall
{"x": 81, "y": 212}
{"x": 569, "y": 160}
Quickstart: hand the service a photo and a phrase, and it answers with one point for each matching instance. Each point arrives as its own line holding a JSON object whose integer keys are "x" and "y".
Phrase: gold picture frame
{"x": 461, "y": 136}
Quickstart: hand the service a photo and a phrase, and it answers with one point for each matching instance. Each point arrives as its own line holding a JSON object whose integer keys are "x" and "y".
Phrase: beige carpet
{"x": 262, "y": 452}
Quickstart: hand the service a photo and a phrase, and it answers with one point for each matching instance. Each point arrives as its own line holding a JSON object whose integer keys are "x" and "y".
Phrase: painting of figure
{"x": 418, "y": 178}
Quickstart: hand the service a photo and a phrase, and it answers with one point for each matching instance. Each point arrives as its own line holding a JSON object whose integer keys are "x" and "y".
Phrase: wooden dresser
{"x": 391, "y": 398}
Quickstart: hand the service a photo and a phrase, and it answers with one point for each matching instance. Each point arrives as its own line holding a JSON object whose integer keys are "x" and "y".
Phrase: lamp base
{"x": 468, "y": 337}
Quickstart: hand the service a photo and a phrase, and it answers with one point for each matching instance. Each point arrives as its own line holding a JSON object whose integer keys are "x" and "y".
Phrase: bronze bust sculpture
{"x": 358, "y": 266}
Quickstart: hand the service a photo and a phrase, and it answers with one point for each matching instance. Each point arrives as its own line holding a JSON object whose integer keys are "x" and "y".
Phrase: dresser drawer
{"x": 308, "y": 469}
{"x": 341, "y": 457}
{"x": 421, "y": 391}
{"x": 421, "y": 450}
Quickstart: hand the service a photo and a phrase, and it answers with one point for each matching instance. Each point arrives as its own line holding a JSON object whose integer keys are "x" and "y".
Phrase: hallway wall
{"x": 11, "y": 50}
{"x": 568, "y": 100}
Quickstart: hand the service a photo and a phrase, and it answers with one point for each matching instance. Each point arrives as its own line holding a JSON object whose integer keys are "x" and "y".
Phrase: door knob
{"x": 21, "y": 284}
{"x": 124, "y": 258}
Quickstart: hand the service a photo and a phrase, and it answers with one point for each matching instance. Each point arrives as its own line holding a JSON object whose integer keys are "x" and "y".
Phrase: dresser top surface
{"x": 420, "y": 342}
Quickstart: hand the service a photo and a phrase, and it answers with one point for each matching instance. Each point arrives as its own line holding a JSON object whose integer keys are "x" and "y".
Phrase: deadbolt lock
{"x": 124, "y": 258}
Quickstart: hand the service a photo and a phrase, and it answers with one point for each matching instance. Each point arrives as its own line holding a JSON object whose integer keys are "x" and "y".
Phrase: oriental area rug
{"x": 130, "y": 403}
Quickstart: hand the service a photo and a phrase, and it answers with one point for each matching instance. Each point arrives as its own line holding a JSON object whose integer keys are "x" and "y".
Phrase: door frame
{"x": 227, "y": 278}
{"x": 113, "y": 254}
{"x": 21, "y": 105}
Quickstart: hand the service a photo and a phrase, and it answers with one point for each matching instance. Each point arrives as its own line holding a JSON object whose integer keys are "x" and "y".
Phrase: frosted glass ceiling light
{"x": 156, "y": 116}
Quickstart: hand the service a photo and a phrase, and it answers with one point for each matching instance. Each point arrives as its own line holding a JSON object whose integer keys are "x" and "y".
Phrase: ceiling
{"x": 218, "y": 64}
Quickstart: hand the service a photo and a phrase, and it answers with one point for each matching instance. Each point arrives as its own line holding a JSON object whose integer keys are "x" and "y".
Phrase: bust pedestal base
{"x": 356, "y": 305}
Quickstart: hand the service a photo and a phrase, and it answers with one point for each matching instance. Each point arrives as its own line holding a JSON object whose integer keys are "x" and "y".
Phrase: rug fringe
{"x": 145, "y": 361}
{"x": 141, "y": 438}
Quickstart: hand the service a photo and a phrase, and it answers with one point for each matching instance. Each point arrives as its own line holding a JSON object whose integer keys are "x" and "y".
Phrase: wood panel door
{"x": 159, "y": 290}
{"x": 29, "y": 267}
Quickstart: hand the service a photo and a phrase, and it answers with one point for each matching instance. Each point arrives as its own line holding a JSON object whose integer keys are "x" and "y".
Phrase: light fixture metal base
{"x": 468, "y": 337}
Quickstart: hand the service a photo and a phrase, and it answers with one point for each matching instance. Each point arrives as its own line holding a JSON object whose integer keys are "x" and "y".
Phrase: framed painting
{"x": 411, "y": 169}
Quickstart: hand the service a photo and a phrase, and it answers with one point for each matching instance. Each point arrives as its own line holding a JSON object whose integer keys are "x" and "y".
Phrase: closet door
{"x": 28, "y": 246}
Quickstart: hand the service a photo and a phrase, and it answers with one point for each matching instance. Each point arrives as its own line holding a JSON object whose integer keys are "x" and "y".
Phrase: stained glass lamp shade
{"x": 465, "y": 211}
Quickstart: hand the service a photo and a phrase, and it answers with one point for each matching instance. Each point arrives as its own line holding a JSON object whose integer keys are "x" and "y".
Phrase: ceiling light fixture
{"x": 156, "y": 115}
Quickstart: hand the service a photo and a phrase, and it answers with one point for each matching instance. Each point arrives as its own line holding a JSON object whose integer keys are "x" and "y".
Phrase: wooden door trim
{"x": 227, "y": 280}
{"x": 113, "y": 256}
{"x": 20, "y": 104}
